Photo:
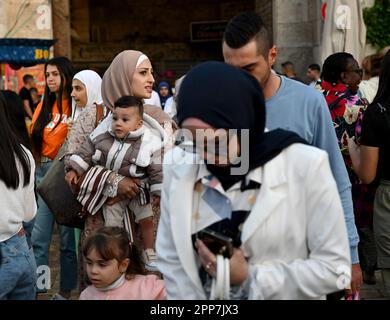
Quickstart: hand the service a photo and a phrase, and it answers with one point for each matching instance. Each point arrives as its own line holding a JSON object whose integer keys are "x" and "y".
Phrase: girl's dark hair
{"x": 334, "y": 66}
{"x": 383, "y": 94}
{"x": 114, "y": 243}
{"x": 10, "y": 150}
{"x": 66, "y": 71}
{"x": 15, "y": 111}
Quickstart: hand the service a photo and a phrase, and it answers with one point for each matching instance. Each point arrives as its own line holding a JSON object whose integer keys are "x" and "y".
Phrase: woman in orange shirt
{"x": 48, "y": 132}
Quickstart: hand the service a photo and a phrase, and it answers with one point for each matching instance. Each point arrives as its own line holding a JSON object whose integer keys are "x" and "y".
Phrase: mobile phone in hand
{"x": 216, "y": 242}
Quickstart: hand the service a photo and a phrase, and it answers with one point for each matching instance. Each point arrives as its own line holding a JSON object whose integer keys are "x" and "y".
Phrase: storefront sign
{"x": 207, "y": 30}
{"x": 25, "y": 51}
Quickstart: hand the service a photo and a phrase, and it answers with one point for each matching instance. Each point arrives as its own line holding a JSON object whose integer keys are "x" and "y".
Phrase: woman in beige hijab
{"x": 130, "y": 73}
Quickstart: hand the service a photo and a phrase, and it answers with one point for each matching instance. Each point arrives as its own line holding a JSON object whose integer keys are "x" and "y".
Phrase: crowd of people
{"x": 241, "y": 183}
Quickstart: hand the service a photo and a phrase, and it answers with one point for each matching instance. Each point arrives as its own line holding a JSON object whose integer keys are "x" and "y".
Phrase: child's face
{"x": 125, "y": 120}
{"x": 102, "y": 272}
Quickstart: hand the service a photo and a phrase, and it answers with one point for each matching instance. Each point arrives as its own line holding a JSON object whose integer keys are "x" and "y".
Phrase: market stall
{"x": 19, "y": 56}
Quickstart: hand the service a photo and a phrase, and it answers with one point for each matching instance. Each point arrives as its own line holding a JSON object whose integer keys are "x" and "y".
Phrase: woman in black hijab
{"x": 259, "y": 198}
{"x": 244, "y": 110}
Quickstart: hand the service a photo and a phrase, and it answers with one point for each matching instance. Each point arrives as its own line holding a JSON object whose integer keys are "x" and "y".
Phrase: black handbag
{"x": 59, "y": 197}
{"x": 57, "y": 194}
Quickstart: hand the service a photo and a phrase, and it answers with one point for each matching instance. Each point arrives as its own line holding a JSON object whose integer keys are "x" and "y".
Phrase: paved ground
{"x": 374, "y": 292}
{"x": 55, "y": 268}
{"x": 369, "y": 292}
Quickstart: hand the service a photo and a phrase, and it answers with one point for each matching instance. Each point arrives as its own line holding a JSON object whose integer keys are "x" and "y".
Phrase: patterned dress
{"x": 347, "y": 111}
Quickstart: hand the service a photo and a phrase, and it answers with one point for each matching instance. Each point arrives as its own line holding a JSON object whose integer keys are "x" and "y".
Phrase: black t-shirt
{"x": 376, "y": 133}
{"x": 26, "y": 95}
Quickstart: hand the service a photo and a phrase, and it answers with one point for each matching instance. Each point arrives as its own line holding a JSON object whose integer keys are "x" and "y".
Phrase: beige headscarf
{"x": 118, "y": 77}
{"x": 117, "y": 82}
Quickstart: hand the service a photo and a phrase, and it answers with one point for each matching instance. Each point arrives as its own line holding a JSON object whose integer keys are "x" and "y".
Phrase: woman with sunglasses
{"x": 341, "y": 76}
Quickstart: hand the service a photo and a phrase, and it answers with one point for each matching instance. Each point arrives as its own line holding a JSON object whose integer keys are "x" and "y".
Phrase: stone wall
{"x": 21, "y": 19}
{"x": 297, "y": 32}
{"x": 3, "y": 18}
{"x": 160, "y": 28}
{"x": 61, "y": 21}
{"x": 264, "y": 9}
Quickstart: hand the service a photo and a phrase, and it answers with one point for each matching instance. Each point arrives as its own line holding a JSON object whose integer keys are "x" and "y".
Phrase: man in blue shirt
{"x": 292, "y": 106}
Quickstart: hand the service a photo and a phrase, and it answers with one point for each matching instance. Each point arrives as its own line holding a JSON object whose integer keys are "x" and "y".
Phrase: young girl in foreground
{"x": 113, "y": 268}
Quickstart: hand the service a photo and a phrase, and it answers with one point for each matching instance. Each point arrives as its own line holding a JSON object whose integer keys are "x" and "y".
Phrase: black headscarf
{"x": 226, "y": 97}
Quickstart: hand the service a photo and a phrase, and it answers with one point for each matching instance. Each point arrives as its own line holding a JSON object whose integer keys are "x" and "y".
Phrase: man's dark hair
{"x": 315, "y": 67}
{"x": 245, "y": 27}
{"x": 27, "y": 78}
{"x": 130, "y": 102}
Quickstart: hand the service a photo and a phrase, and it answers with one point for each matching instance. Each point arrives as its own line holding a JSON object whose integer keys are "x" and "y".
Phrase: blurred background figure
{"x": 36, "y": 97}
{"x": 154, "y": 100}
{"x": 368, "y": 88}
{"x": 314, "y": 74}
{"x": 25, "y": 94}
{"x": 171, "y": 103}
{"x": 288, "y": 70}
{"x": 164, "y": 91}
{"x": 366, "y": 66}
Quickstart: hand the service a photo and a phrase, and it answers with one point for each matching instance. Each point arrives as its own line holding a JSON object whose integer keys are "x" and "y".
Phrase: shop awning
{"x": 24, "y": 52}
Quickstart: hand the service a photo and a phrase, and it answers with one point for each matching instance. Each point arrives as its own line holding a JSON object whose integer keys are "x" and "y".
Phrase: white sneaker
{"x": 150, "y": 259}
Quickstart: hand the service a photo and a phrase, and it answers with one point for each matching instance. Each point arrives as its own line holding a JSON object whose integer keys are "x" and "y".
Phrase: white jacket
{"x": 295, "y": 237}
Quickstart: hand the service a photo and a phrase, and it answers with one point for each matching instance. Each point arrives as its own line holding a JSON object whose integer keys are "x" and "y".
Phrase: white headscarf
{"x": 92, "y": 83}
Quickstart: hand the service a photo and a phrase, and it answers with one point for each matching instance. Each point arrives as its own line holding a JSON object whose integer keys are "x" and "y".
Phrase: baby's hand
{"x": 71, "y": 178}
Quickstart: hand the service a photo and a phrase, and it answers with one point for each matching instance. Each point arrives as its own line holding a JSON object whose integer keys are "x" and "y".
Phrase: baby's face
{"x": 125, "y": 120}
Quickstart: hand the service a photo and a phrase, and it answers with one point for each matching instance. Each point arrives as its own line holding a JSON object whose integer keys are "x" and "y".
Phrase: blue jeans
{"x": 41, "y": 239}
{"x": 17, "y": 270}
